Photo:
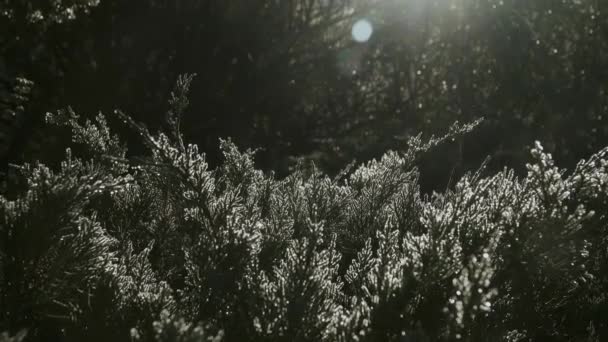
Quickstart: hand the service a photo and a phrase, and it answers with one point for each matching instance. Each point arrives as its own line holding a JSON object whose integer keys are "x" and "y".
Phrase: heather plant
{"x": 162, "y": 247}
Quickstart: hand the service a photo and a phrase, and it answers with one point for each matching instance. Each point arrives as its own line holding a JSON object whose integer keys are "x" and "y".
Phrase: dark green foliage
{"x": 182, "y": 244}
{"x": 164, "y": 248}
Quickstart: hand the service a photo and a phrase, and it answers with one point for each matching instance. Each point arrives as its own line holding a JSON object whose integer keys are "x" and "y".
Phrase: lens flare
{"x": 362, "y": 31}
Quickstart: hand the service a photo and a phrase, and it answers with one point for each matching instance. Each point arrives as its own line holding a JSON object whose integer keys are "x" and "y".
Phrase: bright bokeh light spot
{"x": 362, "y": 30}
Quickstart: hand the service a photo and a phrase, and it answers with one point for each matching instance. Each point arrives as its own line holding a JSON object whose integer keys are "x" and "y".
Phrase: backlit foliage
{"x": 165, "y": 248}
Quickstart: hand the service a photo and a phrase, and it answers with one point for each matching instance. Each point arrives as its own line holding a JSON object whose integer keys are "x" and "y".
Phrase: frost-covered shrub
{"x": 164, "y": 248}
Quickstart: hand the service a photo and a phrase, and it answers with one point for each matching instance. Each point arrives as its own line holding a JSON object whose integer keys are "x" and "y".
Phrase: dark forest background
{"x": 287, "y": 77}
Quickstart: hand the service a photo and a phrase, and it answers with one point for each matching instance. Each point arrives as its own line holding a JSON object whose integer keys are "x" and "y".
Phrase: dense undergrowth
{"x": 163, "y": 248}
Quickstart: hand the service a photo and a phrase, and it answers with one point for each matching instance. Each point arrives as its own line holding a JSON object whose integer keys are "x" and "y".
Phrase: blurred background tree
{"x": 39, "y": 42}
{"x": 288, "y": 77}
